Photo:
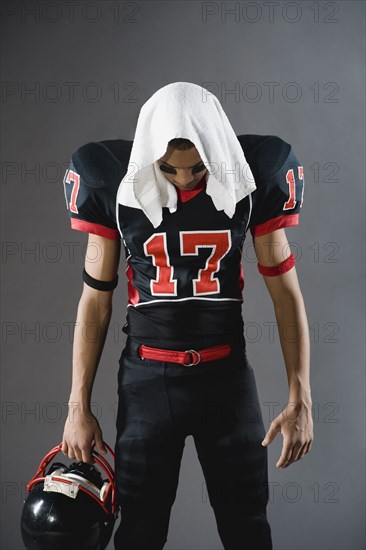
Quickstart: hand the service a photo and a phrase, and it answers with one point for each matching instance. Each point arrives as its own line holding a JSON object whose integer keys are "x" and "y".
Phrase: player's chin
{"x": 186, "y": 187}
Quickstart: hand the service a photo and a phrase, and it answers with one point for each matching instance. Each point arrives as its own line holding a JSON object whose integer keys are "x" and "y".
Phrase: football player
{"x": 184, "y": 369}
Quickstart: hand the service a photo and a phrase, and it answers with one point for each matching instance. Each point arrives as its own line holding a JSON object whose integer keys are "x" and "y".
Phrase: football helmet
{"x": 70, "y": 507}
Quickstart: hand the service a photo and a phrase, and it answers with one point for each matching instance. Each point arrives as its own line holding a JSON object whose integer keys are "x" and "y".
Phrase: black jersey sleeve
{"x": 279, "y": 177}
{"x": 90, "y": 186}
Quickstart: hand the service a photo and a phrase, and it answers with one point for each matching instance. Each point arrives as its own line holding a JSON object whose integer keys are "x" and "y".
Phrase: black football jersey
{"x": 189, "y": 267}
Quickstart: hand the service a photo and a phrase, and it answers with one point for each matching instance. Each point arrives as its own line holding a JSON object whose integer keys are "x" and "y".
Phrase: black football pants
{"x": 160, "y": 403}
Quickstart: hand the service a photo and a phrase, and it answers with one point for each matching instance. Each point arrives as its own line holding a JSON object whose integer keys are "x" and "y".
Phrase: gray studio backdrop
{"x": 78, "y": 72}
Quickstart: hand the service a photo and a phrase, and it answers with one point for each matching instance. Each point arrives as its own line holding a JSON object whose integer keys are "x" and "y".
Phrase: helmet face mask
{"x": 69, "y": 507}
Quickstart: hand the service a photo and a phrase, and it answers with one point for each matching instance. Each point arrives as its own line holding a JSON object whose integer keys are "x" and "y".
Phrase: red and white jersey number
{"x": 190, "y": 243}
{"x": 290, "y": 178}
{"x": 73, "y": 178}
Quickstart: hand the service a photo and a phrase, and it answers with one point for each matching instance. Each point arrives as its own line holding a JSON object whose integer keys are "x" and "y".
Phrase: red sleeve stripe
{"x": 274, "y": 223}
{"x": 95, "y": 228}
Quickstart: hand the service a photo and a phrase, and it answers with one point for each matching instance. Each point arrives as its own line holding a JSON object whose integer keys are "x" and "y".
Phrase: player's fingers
{"x": 285, "y": 455}
{"x": 98, "y": 440}
{"x": 64, "y": 447}
{"x": 308, "y": 446}
{"x": 76, "y": 454}
{"x": 296, "y": 451}
{"x": 86, "y": 455}
{"x": 305, "y": 449}
{"x": 271, "y": 434}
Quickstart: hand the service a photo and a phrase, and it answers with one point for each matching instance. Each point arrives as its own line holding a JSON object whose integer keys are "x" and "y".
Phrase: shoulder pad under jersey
{"x": 279, "y": 177}
{"x": 91, "y": 183}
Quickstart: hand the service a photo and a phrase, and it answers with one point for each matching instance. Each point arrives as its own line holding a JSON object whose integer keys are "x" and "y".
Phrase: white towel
{"x": 184, "y": 110}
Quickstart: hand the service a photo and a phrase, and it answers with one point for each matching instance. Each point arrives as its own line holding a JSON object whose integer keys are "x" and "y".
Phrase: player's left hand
{"x": 295, "y": 423}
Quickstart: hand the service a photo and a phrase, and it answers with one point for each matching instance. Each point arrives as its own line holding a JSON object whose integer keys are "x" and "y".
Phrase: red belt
{"x": 187, "y": 358}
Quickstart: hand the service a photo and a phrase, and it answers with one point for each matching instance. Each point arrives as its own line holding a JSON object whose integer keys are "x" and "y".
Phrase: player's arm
{"x": 90, "y": 187}
{"x": 271, "y": 250}
{"x": 92, "y": 322}
{"x": 276, "y": 205}
{"x": 93, "y": 316}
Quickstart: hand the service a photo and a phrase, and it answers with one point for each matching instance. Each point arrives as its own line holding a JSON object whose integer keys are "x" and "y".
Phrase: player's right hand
{"x": 81, "y": 433}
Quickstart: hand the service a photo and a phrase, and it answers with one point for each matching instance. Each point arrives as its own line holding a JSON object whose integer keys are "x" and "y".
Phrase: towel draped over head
{"x": 184, "y": 110}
